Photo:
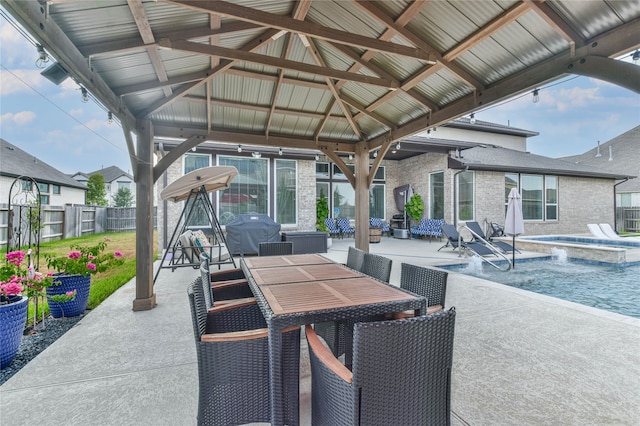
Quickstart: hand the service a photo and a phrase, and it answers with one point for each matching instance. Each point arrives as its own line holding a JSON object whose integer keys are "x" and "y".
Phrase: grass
{"x": 105, "y": 283}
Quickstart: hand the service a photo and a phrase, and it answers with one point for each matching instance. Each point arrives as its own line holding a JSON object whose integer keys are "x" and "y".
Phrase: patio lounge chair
{"x": 452, "y": 235}
{"x": 376, "y": 222}
{"x": 597, "y": 232}
{"x": 233, "y": 372}
{"x": 477, "y": 230}
{"x": 332, "y": 227}
{"x": 279, "y": 248}
{"x": 401, "y": 374}
{"x": 609, "y": 232}
{"x": 345, "y": 227}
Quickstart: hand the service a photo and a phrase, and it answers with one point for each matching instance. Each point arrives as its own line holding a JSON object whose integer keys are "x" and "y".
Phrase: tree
{"x": 123, "y": 198}
{"x": 96, "y": 192}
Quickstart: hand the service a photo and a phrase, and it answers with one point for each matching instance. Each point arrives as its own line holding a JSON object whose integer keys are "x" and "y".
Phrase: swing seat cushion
{"x": 185, "y": 244}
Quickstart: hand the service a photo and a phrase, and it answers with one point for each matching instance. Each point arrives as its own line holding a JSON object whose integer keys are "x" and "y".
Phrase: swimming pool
{"x": 612, "y": 288}
{"x": 614, "y": 252}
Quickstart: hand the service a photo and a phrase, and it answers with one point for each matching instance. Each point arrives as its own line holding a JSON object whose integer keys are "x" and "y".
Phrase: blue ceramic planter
{"x": 63, "y": 284}
{"x": 13, "y": 317}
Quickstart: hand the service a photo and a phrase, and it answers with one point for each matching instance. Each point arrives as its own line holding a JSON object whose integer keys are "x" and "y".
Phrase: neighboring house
{"x": 56, "y": 188}
{"x": 620, "y": 155}
{"x": 114, "y": 179}
{"x": 463, "y": 171}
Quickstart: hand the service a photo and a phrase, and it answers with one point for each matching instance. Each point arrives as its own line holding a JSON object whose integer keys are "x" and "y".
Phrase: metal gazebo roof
{"x": 335, "y": 76}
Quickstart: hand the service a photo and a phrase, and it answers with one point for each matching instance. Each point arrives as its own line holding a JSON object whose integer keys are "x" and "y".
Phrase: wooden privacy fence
{"x": 628, "y": 219}
{"x": 60, "y": 222}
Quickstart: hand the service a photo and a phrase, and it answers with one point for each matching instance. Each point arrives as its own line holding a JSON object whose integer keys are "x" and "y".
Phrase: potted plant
{"x": 414, "y": 208}
{"x": 322, "y": 212}
{"x": 17, "y": 283}
{"x": 69, "y": 294}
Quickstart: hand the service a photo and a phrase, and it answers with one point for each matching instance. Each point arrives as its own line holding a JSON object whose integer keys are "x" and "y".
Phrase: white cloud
{"x": 21, "y": 118}
{"x": 19, "y": 81}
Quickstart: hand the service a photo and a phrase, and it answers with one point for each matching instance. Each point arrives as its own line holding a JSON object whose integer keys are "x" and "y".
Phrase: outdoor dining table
{"x": 295, "y": 295}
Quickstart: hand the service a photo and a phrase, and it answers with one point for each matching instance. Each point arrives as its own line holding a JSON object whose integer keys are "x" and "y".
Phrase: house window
{"x": 195, "y": 161}
{"x": 55, "y": 189}
{"x": 249, "y": 191}
{"x": 539, "y": 195}
{"x": 465, "y": 196}
{"x": 44, "y": 199}
{"x": 376, "y": 201}
{"x": 322, "y": 189}
{"x": 286, "y": 177}
{"x": 344, "y": 200}
{"x": 322, "y": 170}
{"x": 44, "y": 188}
{"x": 551, "y": 197}
{"x": 26, "y": 185}
{"x": 125, "y": 185}
{"x": 436, "y": 195}
{"x": 198, "y": 215}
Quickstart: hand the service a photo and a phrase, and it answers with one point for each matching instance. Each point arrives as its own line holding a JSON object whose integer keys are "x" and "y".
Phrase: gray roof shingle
{"x": 15, "y": 162}
{"x": 625, "y": 158}
{"x": 495, "y": 158}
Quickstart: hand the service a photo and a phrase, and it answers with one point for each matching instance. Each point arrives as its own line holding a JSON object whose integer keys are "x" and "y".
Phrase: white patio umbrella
{"x": 514, "y": 223}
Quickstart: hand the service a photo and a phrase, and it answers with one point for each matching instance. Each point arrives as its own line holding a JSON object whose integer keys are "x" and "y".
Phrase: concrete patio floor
{"x": 519, "y": 358}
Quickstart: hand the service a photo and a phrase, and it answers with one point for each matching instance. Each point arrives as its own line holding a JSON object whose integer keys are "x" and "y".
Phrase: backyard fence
{"x": 628, "y": 219}
{"x": 60, "y": 222}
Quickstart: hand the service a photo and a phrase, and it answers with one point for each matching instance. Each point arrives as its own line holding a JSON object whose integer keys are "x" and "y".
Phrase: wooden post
{"x": 145, "y": 297}
{"x": 362, "y": 196}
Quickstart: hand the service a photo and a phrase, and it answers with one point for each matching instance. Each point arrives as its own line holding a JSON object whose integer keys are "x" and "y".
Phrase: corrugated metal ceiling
{"x": 397, "y": 67}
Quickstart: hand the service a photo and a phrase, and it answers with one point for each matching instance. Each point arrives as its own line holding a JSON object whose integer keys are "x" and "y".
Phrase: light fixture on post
{"x": 375, "y": 153}
{"x": 429, "y": 134}
{"x": 43, "y": 58}
{"x": 350, "y": 157}
{"x": 398, "y": 146}
{"x": 239, "y": 148}
{"x": 635, "y": 56}
{"x": 280, "y": 152}
{"x": 256, "y": 154}
{"x": 317, "y": 157}
{"x": 472, "y": 118}
{"x": 110, "y": 117}
{"x": 536, "y": 96}
{"x": 85, "y": 95}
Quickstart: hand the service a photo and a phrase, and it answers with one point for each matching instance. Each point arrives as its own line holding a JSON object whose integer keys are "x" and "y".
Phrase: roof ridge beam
{"x": 307, "y": 28}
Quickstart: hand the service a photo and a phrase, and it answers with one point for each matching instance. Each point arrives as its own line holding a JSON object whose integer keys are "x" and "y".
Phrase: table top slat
{"x": 292, "y": 274}
{"x": 289, "y": 260}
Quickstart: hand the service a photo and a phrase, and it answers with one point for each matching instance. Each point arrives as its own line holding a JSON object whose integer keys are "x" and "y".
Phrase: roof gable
{"x": 15, "y": 162}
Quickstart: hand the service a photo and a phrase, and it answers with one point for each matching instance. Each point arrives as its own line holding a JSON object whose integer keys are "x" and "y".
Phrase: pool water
{"x": 612, "y": 288}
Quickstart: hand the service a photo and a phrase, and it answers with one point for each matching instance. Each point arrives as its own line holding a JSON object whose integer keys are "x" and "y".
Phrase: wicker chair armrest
{"x": 232, "y": 304}
{"x": 326, "y": 357}
{"x": 218, "y": 285}
{"x": 409, "y": 314}
{"x": 258, "y": 333}
{"x": 230, "y": 274}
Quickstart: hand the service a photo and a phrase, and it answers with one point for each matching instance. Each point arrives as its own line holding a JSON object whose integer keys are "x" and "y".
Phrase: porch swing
{"x": 189, "y": 243}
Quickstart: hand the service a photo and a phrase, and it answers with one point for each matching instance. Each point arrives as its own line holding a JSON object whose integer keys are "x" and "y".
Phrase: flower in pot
{"x": 17, "y": 283}
{"x": 69, "y": 294}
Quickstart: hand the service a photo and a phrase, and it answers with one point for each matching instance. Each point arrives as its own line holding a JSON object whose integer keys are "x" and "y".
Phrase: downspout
{"x": 615, "y": 213}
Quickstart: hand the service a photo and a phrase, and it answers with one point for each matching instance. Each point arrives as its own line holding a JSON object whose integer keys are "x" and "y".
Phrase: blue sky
{"x": 53, "y": 124}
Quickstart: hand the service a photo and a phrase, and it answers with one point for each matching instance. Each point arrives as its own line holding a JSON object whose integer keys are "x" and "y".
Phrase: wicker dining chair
{"x": 355, "y": 258}
{"x": 376, "y": 266}
{"x": 428, "y": 282}
{"x": 225, "y": 285}
{"x": 277, "y": 248}
{"x": 401, "y": 374}
{"x": 233, "y": 368}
